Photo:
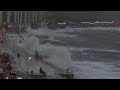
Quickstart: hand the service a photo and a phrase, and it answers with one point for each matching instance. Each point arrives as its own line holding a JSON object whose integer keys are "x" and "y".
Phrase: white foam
{"x": 88, "y": 28}
{"x": 58, "y": 56}
{"x": 95, "y": 49}
{"x": 31, "y": 45}
{"x": 48, "y": 32}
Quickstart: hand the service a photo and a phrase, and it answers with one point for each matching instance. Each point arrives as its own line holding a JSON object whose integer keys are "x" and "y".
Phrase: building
{"x": 50, "y": 16}
{"x": 22, "y": 17}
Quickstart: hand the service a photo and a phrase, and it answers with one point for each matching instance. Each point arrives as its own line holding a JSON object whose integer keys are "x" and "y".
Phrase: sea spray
{"x": 57, "y": 55}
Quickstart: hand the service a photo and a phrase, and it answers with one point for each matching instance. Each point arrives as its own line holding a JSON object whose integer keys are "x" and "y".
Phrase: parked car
{"x": 8, "y": 65}
{"x": 5, "y": 57}
{"x": 13, "y": 72}
{"x": 11, "y": 77}
{"x": 1, "y": 73}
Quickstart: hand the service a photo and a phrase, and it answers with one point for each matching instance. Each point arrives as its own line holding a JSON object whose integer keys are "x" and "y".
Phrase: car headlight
{"x": 7, "y": 77}
{"x": 19, "y": 78}
{"x": 69, "y": 70}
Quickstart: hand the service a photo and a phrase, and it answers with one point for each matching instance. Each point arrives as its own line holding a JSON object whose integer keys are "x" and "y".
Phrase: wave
{"x": 57, "y": 55}
{"x": 95, "y": 49}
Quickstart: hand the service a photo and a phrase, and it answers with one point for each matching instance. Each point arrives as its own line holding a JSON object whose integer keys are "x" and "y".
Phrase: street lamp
{"x": 29, "y": 58}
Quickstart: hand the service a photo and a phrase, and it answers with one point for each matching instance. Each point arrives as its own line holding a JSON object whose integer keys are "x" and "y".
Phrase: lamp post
{"x": 29, "y": 58}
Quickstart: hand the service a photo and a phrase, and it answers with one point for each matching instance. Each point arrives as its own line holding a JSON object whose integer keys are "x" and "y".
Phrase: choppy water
{"x": 98, "y": 39}
{"x": 96, "y": 52}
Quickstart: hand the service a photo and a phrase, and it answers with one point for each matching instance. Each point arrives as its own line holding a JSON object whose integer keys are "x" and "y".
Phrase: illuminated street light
{"x": 29, "y": 58}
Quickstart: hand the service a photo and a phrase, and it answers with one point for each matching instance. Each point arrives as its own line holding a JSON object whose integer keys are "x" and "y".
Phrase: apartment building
{"x": 22, "y": 17}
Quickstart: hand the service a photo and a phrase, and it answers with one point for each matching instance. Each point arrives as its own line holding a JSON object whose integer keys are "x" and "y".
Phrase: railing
{"x": 50, "y": 64}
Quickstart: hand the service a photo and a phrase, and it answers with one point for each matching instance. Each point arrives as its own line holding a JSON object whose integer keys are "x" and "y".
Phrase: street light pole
{"x": 27, "y": 69}
{"x": 27, "y": 65}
